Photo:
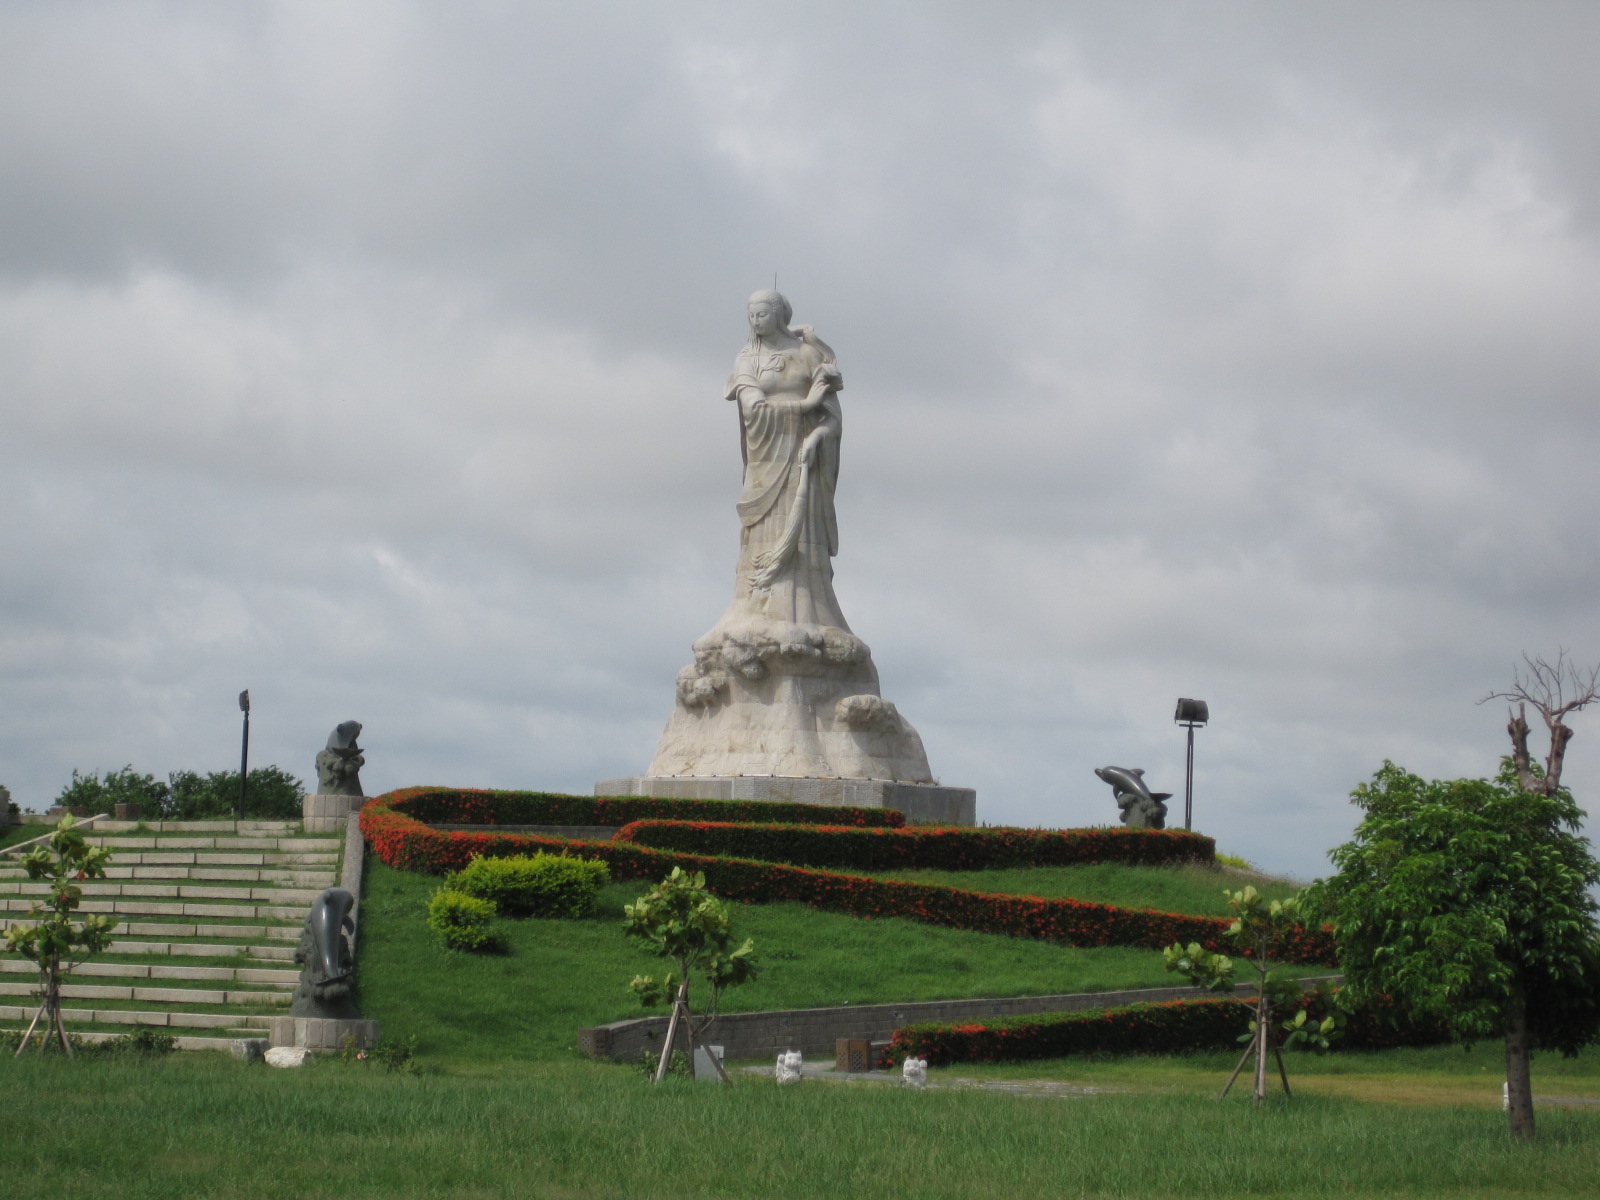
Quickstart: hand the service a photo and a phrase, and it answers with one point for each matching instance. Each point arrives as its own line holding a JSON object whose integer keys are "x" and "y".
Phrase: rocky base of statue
{"x": 322, "y": 813}
{"x": 922, "y": 803}
{"x": 321, "y": 1035}
{"x": 766, "y": 697}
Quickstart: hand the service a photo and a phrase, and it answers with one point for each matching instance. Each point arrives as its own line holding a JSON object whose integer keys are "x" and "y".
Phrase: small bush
{"x": 539, "y": 885}
{"x": 463, "y": 922}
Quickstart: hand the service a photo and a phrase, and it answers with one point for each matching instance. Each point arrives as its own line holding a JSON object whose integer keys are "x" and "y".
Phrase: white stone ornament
{"x": 287, "y": 1056}
{"x": 914, "y": 1072}
{"x": 789, "y": 1067}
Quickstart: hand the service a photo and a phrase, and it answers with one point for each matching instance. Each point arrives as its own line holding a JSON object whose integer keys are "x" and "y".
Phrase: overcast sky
{"x": 370, "y": 356}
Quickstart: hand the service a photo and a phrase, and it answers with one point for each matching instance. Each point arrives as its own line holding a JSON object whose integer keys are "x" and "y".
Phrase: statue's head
{"x": 769, "y": 312}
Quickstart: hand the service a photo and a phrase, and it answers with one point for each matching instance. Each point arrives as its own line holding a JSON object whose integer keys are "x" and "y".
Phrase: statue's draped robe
{"x": 786, "y": 507}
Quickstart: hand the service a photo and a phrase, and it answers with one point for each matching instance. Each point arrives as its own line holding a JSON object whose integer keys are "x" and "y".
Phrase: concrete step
{"x": 182, "y": 1041}
{"x": 215, "y": 828}
{"x": 160, "y": 995}
{"x": 161, "y": 1018}
{"x": 286, "y": 932}
{"x": 196, "y": 909}
{"x": 242, "y": 893}
{"x": 277, "y": 845}
{"x": 281, "y": 953}
{"x": 264, "y": 976}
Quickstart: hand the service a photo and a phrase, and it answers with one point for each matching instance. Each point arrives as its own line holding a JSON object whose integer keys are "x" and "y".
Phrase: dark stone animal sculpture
{"x": 339, "y": 763}
{"x": 325, "y": 959}
{"x": 1141, "y": 808}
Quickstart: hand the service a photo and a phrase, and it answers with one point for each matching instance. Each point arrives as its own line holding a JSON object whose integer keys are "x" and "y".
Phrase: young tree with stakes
{"x": 1468, "y": 902}
{"x": 65, "y": 861}
{"x": 680, "y": 920}
{"x": 1260, "y": 928}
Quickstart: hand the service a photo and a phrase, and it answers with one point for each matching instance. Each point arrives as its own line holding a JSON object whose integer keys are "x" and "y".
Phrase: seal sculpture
{"x": 339, "y": 763}
{"x": 1141, "y": 808}
{"x": 780, "y": 686}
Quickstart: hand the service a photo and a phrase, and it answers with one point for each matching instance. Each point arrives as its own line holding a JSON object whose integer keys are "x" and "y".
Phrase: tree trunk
{"x": 1519, "y": 1084}
{"x": 1518, "y": 729}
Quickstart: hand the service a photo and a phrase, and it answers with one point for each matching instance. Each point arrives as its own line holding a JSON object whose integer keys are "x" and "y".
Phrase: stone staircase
{"x": 208, "y": 916}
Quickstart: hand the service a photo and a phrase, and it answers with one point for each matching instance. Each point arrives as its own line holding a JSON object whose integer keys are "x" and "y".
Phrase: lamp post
{"x": 244, "y": 749}
{"x": 1191, "y": 714}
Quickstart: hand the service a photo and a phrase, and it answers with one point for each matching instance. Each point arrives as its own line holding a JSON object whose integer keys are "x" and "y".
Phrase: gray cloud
{"x": 371, "y": 357}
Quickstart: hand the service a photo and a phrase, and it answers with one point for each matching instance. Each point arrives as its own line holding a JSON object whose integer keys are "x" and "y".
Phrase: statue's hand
{"x": 808, "y": 448}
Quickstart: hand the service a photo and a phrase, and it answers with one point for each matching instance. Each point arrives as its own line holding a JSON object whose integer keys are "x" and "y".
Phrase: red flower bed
{"x": 403, "y": 841}
{"x": 954, "y": 848}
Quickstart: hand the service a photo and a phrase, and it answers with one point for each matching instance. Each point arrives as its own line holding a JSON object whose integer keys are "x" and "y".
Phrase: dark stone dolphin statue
{"x": 324, "y": 956}
{"x": 1141, "y": 808}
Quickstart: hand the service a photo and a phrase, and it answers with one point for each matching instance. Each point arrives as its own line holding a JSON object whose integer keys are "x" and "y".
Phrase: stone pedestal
{"x": 322, "y": 1035}
{"x": 924, "y": 803}
{"x": 323, "y": 813}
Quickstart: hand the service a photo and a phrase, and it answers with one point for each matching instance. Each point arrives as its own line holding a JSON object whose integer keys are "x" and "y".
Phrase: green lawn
{"x": 204, "y": 1125}
{"x": 1192, "y": 889}
{"x": 561, "y": 975}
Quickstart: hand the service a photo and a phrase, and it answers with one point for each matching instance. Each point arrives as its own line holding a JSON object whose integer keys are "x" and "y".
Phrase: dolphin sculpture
{"x": 1141, "y": 808}
{"x": 324, "y": 956}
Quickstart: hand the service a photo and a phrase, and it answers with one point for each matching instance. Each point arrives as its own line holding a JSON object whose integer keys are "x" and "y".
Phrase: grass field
{"x": 207, "y": 1126}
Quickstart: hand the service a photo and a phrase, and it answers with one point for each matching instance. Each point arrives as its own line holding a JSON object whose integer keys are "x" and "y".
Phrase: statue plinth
{"x": 782, "y": 699}
{"x": 925, "y": 803}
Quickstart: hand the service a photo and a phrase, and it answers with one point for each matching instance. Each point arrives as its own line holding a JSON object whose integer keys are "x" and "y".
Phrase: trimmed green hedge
{"x": 478, "y": 806}
{"x": 1172, "y": 1027}
{"x": 953, "y": 848}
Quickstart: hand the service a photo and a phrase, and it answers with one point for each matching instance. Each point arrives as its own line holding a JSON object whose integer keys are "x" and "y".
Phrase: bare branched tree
{"x": 1555, "y": 690}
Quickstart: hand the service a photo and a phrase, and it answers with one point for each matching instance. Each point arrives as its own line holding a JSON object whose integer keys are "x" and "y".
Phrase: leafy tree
{"x": 122, "y": 786}
{"x": 681, "y": 921}
{"x": 52, "y": 938}
{"x": 1260, "y": 929}
{"x": 1467, "y": 902}
{"x": 273, "y": 794}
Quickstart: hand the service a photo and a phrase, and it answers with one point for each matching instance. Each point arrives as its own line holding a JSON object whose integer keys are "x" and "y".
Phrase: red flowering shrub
{"x": 1173, "y": 1027}
{"x": 952, "y": 848}
{"x": 404, "y": 842}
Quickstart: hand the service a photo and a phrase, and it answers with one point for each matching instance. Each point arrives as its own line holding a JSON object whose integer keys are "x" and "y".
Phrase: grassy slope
{"x": 207, "y": 1126}
{"x": 562, "y": 975}
{"x": 1195, "y": 890}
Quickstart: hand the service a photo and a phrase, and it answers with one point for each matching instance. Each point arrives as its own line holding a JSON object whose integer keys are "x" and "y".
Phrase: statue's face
{"x": 763, "y": 316}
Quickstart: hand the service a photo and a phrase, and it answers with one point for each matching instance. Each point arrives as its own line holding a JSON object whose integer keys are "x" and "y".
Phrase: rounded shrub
{"x": 538, "y": 885}
{"x": 463, "y": 922}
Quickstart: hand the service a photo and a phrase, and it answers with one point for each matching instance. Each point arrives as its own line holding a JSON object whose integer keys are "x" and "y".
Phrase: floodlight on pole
{"x": 244, "y": 749}
{"x": 1192, "y": 714}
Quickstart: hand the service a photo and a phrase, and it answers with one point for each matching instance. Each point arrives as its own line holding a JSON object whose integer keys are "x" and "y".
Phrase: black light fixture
{"x": 244, "y": 748}
{"x": 1193, "y": 714}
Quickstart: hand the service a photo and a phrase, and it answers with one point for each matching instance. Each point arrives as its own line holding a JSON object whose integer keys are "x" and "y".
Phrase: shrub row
{"x": 406, "y": 843}
{"x": 952, "y": 848}
{"x": 1173, "y": 1027}
{"x": 475, "y": 806}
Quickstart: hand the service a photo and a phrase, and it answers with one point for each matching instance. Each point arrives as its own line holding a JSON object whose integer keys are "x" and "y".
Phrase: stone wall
{"x": 814, "y": 1031}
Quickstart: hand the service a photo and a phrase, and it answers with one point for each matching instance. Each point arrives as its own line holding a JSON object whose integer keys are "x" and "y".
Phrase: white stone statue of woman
{"x": 780, "y": 686}
{"x": 786, "y": 384}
